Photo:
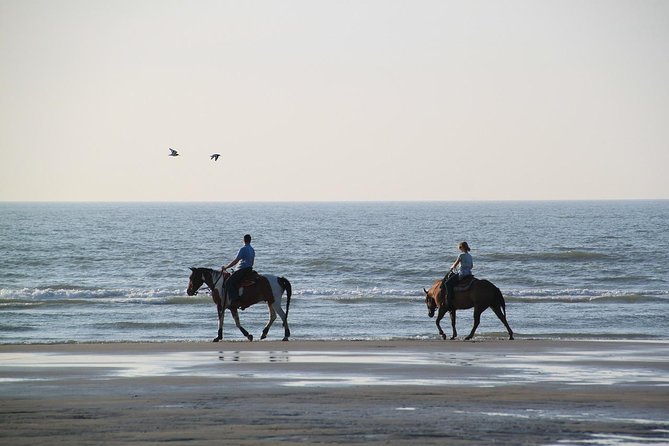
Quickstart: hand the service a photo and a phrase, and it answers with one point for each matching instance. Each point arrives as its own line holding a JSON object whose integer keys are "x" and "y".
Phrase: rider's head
{"x": 247, "y": 238}
{"x": 464, "y": 247}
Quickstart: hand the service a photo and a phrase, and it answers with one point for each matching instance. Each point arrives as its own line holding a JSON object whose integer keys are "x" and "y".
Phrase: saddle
{"x": 465, "y": 284}
{"x": 250, "y": 279}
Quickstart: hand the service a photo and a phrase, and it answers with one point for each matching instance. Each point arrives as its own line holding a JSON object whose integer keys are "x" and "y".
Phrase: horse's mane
{"x": 203, "y": 269}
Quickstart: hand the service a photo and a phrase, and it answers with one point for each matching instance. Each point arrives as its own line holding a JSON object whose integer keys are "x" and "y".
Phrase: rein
{"x": 204, "y": 280}
{"x": 219, "y": 278}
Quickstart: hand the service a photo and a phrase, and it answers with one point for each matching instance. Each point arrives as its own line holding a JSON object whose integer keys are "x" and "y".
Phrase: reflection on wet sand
{"x": 365, "y": 367}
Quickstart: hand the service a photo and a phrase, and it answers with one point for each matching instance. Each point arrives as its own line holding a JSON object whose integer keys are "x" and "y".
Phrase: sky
{"x": 333, "y": 100}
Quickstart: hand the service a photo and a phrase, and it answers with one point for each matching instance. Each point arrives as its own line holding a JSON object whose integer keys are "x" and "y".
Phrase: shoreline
{"x": 331, "y": 392}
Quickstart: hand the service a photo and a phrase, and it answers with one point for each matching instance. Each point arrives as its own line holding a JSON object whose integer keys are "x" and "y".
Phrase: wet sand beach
{"x": 336, "y": 392}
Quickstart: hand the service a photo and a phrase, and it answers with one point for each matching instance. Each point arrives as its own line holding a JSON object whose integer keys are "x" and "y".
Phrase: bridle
{"x": 204, "y": 282}
{"x": 431, "y": 305}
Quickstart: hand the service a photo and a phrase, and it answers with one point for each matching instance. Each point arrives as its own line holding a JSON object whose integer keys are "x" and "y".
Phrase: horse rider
{"x": 245, "y": 258}
{"x": 466, "y": 264}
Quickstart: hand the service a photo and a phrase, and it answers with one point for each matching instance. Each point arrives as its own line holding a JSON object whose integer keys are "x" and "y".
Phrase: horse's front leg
{"x": 235, "y": 315}
{"x": 272, "y": 318}
{"x": 440, "y": 316}
{"x": 455, "y": 332}
{"x": 221, "y": 315}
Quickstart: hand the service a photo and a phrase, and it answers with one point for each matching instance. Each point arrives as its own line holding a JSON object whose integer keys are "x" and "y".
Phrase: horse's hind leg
{"x": 477, "y": 321}
{"x": 502, "y": 317}
{"x": 235, "y": 315}
{"x": 272, "y": 318}
{"x": 284, "y": 319}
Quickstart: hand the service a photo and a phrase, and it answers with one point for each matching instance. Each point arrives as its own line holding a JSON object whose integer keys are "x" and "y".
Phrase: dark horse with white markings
{"x": 476, "y": 293}
{"x": 266, "y": 288}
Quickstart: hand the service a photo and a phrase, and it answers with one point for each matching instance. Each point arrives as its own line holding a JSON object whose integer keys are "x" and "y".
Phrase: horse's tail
{"x": 500, "y": 300}
{"x": 285, "y": 284}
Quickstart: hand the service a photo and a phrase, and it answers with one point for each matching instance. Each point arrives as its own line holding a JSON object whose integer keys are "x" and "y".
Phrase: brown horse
{"x": 266, "y": 288}
{"x": 481, "y": 294}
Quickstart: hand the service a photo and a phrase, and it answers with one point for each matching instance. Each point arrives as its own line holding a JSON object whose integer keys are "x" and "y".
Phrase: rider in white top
{"x": 466, "y": 263}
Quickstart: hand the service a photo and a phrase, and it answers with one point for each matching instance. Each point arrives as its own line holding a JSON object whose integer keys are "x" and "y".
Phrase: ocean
{"x": 117, "y": 272}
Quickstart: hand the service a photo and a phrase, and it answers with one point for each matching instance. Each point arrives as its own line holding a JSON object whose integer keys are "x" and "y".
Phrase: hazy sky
{"x": 333, "y": 100}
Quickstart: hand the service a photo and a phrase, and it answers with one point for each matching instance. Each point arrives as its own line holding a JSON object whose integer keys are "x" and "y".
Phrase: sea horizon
{"x": 510, "y": 200}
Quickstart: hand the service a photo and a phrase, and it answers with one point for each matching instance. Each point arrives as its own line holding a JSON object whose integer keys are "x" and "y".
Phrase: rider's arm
{"x": 233, "y": 263}
{"x": 456, "y": 263}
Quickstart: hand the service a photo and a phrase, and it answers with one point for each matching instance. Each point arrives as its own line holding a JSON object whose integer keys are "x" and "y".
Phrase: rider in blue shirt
{"x": 245, "y": 258}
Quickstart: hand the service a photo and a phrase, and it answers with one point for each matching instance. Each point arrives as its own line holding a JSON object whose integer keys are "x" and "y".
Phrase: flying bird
{"x": 215, "y": 156}
{"x": 173, "y": 153}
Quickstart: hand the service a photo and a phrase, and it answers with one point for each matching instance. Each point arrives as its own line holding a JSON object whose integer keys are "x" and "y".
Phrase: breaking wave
{"x": 25, "y": 298}
{"x": 30, "y": 297}
{"x": 554, "y": 256}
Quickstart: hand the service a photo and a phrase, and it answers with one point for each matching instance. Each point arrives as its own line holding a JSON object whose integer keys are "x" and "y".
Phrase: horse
{"x": 265, "y": 288}
{"x": 478, "y": 293}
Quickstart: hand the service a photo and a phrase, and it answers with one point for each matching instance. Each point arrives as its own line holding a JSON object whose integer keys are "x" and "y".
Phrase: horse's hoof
{"x": 285, "y": 339}
{"x": 443, "y": 336}
{"x": 453, "y": 338}
{"x": 468, "y": 338}
{"x": 263, "y": 336}
{"x": 216, "y": 339}
{"x": 511, "y": 338}
{"x": 250, "y": 338}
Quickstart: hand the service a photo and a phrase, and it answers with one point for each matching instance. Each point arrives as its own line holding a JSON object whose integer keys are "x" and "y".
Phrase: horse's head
{"x": 195, "y": 281}
{"x": 431, "y": 303}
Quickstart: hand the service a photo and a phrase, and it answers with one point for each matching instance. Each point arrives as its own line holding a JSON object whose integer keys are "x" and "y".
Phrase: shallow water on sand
{"x": 483, "y": 368}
